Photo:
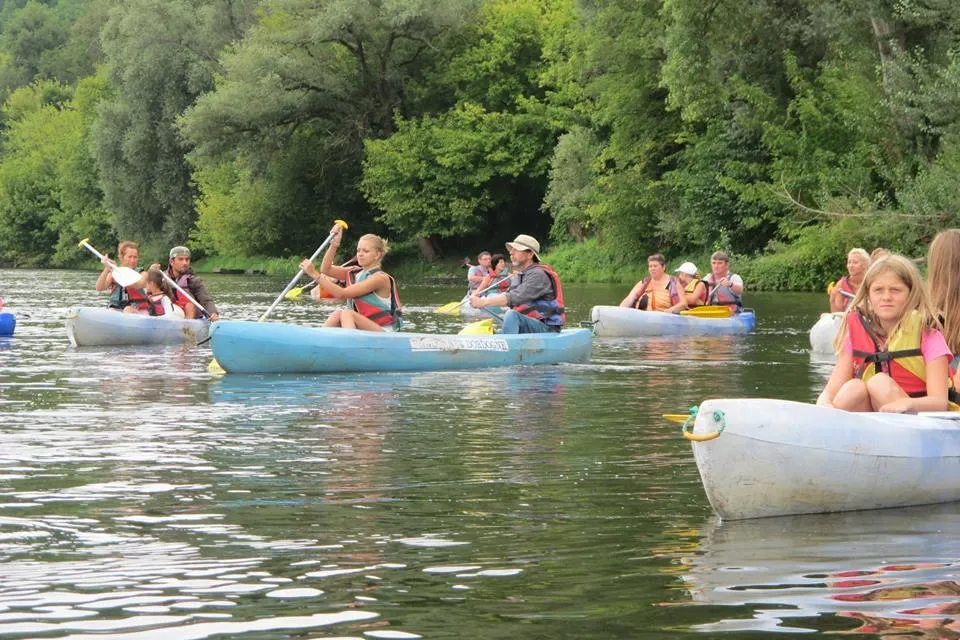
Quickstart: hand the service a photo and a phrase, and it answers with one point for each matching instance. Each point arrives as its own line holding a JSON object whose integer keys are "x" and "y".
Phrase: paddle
{"x": 339, "y": 223}
{"x": 123, "y": 276}
{"x": 184, "y": 292}
{"x": 214, "y": 366}
{"x": 709, "y": 311}
{"x": 452, "y": 308}
{"x": 296, "y": 292}
{"x": 481, "y": 327}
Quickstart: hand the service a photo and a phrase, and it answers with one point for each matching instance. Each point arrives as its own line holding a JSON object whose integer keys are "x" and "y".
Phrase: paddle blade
{"x": 676, "y": 417}
{"x": 294, "y": 293}
{"x": 451, "y": 308}
{"x": 215, "y": 368}
{"x": 479, "y": 328}
{"x": 125, "y": 276}
{"x": 712, "y": 311}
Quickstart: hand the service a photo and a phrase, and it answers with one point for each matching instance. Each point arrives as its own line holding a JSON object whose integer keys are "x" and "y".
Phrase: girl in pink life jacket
{"x": 943, "y": 276}
{"x": 891, "y": 355}
{"x": 370, "y": 293}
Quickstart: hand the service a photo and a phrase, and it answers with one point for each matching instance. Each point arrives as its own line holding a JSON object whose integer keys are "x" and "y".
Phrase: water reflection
{"x": 887, "y": 572}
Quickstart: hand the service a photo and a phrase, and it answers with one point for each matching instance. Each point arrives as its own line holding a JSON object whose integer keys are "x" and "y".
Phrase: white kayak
{"x": 775, "y": 458}
{"x": 624, "y": 322}
{"x": 824, "y": 332}
{"x": 96, "y": 326}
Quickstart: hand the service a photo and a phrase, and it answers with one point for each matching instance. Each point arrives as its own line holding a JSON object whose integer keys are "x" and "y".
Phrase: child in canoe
{"x": 891, "y": 354}
{"x": 160, "y": 297}
{"x": 943, "y": 276}
{"x": 370, "y": 294}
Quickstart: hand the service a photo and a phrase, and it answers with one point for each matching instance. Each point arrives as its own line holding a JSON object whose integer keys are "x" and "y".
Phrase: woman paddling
{"x": 370, "y": 293}
{"x": 128, "y": 299}
{"x": 858, "y": 261}
{"x": 653, "y": 292}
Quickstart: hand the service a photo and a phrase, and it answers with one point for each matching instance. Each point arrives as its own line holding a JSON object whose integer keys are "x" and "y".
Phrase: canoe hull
{"x": 251, "y": 347}
{"x": 777, "y": 458}
{"x": 824, "y": 332}
{"x": 621, "y": 322}
{"x": 90, "y": 327}
{"x": 8, "y": 323}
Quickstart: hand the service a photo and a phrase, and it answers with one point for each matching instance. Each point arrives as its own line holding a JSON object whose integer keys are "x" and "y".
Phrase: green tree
{"x": 303, "y": 91}
{"x": 161, "y": 55}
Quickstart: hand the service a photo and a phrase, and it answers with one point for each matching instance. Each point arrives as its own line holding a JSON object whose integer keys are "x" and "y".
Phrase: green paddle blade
{"x": 125, "y": 276}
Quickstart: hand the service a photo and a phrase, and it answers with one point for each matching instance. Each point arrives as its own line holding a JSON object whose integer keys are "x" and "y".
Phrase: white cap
{"x": 688, "y": 268}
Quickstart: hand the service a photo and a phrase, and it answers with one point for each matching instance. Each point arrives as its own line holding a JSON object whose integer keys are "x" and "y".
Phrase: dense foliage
{"x": 785, "y": 131}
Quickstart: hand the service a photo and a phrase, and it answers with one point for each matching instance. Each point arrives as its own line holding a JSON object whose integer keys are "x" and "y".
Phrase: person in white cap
{"x": 535, "y": 296}
{"x": 180, "y": 272}
{"x": 691, "y": 290}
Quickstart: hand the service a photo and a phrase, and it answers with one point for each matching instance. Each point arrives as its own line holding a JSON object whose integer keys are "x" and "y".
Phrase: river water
{"x": 142, "y": 498}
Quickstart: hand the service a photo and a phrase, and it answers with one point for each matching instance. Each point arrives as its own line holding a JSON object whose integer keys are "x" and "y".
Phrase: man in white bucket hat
{"x": 535, "y": 296}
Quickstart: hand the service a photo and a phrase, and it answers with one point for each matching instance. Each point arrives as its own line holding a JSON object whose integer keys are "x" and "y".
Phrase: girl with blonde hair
{"x": 943, "y": 276}
{"x": 370, "y": 293}
{"x": 891, "y": 355}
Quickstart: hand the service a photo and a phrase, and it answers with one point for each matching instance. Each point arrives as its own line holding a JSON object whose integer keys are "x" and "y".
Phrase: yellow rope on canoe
{"x": 718, "y": 417}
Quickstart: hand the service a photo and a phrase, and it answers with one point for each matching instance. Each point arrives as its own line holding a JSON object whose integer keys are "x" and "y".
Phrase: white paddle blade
{"x": 125, "y": 276}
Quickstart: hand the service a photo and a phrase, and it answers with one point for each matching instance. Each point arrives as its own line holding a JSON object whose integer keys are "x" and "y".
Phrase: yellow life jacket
{"x": 900, "y": 358}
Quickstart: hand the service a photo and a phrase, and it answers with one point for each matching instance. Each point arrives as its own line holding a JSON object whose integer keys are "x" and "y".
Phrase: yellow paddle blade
{"x": 478, "y": 328}
{"x": 451, "y": 308}
{"x": 830, "y": 287}
{"x": 294, "y": 293}
{"x": 711, "y": 311}
{"x": 676, "y": 417}
{"x": 215, "y": 368}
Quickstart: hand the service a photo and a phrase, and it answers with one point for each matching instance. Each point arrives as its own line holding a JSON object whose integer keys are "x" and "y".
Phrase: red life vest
{"x": 364, "y": 305}
{"x": 847, "y": 291}
{"x": 901, "y": 358}
{"x": 129, "y": 297}
{"x": 550, "y": 312}
{"x": 155, "y": 307}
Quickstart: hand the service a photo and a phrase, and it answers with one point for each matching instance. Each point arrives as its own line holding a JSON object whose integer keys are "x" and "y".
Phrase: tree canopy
{"x": 784, "y": 131}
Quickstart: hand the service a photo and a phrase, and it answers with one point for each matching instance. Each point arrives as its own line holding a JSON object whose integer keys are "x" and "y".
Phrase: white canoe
{"x": 95, "y": 326}
{"x": 775, "y": 458}
{"x": 824, "y": 332}
{"x": 624, "y": 322}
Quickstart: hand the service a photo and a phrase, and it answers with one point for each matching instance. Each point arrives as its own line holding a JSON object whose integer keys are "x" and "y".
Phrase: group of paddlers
{"x": 899, "y": 334}
{"x": 685, "y": 289}
{"x": 163, "y": 292}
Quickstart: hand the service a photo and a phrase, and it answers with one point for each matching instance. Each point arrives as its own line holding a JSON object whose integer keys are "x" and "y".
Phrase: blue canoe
{"x": 252, "y": 347}
{"x": 623, "y": 322}
{"x": 8, "y": 322}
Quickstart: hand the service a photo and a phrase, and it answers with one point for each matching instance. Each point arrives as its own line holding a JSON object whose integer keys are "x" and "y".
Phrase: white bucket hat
{"x": 688, "y": 268}
{"x": 524, "y": 242}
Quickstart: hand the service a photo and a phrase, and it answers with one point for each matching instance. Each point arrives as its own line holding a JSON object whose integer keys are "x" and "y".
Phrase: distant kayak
{"x": 96, "y": 326}
{"x": 624, "y": 322}
{"x": 8, "y": 322}
{"x": 824, "y": 332}
{"x": 252, "y": 347}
